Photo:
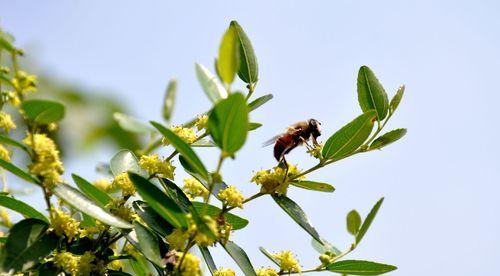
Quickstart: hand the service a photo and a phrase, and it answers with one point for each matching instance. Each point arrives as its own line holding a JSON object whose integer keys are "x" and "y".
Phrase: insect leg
{"x": 286, "y": 168}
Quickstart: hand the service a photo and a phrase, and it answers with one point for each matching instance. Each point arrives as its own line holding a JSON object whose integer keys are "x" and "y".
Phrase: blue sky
{"x": 440, "y": 182}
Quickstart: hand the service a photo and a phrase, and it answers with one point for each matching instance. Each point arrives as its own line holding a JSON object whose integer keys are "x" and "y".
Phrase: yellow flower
{"x": 91, "y": 232}
{"x": 201, "y": 122}
{"x": 64, "y": 224}
{"x": 177, "y": 239}
{"x": 266, "y": 272}
{"x": 13, "y": 99}
{"x": 123, "y": 212}
{"x": 273, "y": 180}
{"x": 225, "y": 232}
{"x": 4, "y": 153}
{"x": 316, "y": 151}
{"x": 102, "y": 184}
{"x": 153, "y": 165}
{"x": 24, "y": 83}
{"x": 190, "y": 265}
{"x": 5, "y": 218}
{"x": 193, "y": 188}
{"x": 224, "y": 272}
{"x": 47, "y": 164}
{"x": 115, "y": 265}
{"x": 200, "y": 237}
{"x": 123, "y": 182}
{"x": 186, "y": 134}
{"x": 287, "y": 261}
{"x": 231, "y": 197}
{"x": 74, "y": 264}
{"x": 6, "y": 122}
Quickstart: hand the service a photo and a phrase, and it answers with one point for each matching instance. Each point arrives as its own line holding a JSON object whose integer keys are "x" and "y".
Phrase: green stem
{"x": 257, "y": 195}
{"x": 251, "y": 88}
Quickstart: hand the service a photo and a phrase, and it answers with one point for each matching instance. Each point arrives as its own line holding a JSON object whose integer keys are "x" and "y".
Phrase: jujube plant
{"x": 139, "y": 218}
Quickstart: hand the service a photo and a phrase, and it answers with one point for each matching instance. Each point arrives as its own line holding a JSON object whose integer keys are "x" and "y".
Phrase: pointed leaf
{"x": 207, "y": 209}
{"x": 324, "y": 247}
{"x": 350, "y": 137}
{"x": 397, "y": 98}
{"x": 159, "y": 201}
{"x": 240, "y": 257}
{"x": 368, "y": 221}
{"x": 169, "y": 101}
{"x": 297, "y": 214}
{"x": 5, "y": 44}
{"x": 228, "y": 123}
{"x": 313, "y": 186}
{"x": 356, "y": 267}
{"x": 184, "y": 149}
{"x": 91, "y": 191}
{"x": 229, "y": 61}
{"x": 9, "y": 141}
{"x": 22, "y": 208}
{"x": 156, "y": 222}
{"x": 76, "y": 199}
{"x": 43, "y": 111}
{"x": 259, "y": 102}
{"x": 353, "y": 222}
{"x": 208, "y": 259}
{"x": 132, "y": 124}
{"x": 27, "y": 243}
{"x": 269, "y": 255}
{"x": 388, "y": 138}
{"x": 17, "y": 171}
{"x": 254, "y": 126}
{"x": 149, "y": 243}
{"x": 371, "y": 94}
{"x": 125, "y": 161}
{"x": 211, "y": 86}
{"x": 248, "y": 69}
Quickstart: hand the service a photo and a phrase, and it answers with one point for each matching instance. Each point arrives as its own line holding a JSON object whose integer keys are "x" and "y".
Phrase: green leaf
{"x": 203, "y": 143}
{"x": 208, "y": 259}
{"x": 228, "y": 123}
{"x": 356, "y": 267}
{"x": 201, "y": 225}
{"x": 368, "y": 221}
{"x": 91, "y": 191}
{"x": 240, "y": 257}
{"x": 371, "y": 94}
{"x": 169, "y": 101}
{"x": 125, "y": 161}
{"x": 269, "y": 255}
{"x": 353, "y": 222}
{"x": 259, "y": 102}
{"x": 249, "y": 71}
{"x": 159, "y": 201}
{"x": 350, "y": 137}
{"x": 8, "y": 141}
{"x": 27, "y": 243}
{"x": 184, "y": 149}
{"x": 297, "y": 214}
{"x": 314, "y": 186}
{"x": 132, "y": 124}
{"x": 229, "y": 61}
{"x": 254, "y": 126}
{"x": 388, "y": 138}
{"x": 43, "y": 111}
{"x": 17, "y": 171}
{"x": 76, "y": 199}
{"x": 156, "y": 222}
{"x": 149, "y": 243}
{"x": 324, "y": 247}
{"x": 397, "y": 98}
{"x": 177, "y": 195}
{"x": 211, "y": 86}
{"x": 207, "y": 209}
{"x": 5, "y": 44}
{"x": 22, "y": 208}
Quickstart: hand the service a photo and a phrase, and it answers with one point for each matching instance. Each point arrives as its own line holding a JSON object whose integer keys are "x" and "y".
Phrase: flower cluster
{"x": 24, "y": 83}
{"x": 186, "y": 134}
{"x": 193, "y": 188}
{"x": 64, "y": 224}
{"x": 46, "y": 163}
{"x": 231, "y": 197}
{"x": 4, "y": 153}
{"x": 190, "y": 265}
{"x": 102, "y": 184}
{"x": 266, "y": 272}
{"x": 75, "y": 264}
{"x": 122, "y": 181}
{"x": 154, "y": 166}
{"x": 287, "y": 261}
{"x": 201, "y": 122}
{"x": 274, "y": 180}
{"x": 224, "y": 272}
{"x": 6, "y": 122}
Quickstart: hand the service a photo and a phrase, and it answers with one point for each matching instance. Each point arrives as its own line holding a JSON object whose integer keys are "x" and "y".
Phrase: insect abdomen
{"x": 283, "y": 145}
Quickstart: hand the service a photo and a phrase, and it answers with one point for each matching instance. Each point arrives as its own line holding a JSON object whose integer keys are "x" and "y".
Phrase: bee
{"x": 297, "y": 134}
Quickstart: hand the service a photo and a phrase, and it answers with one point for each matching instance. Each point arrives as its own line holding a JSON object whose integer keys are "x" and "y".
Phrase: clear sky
{"x": 441, "y": 181}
